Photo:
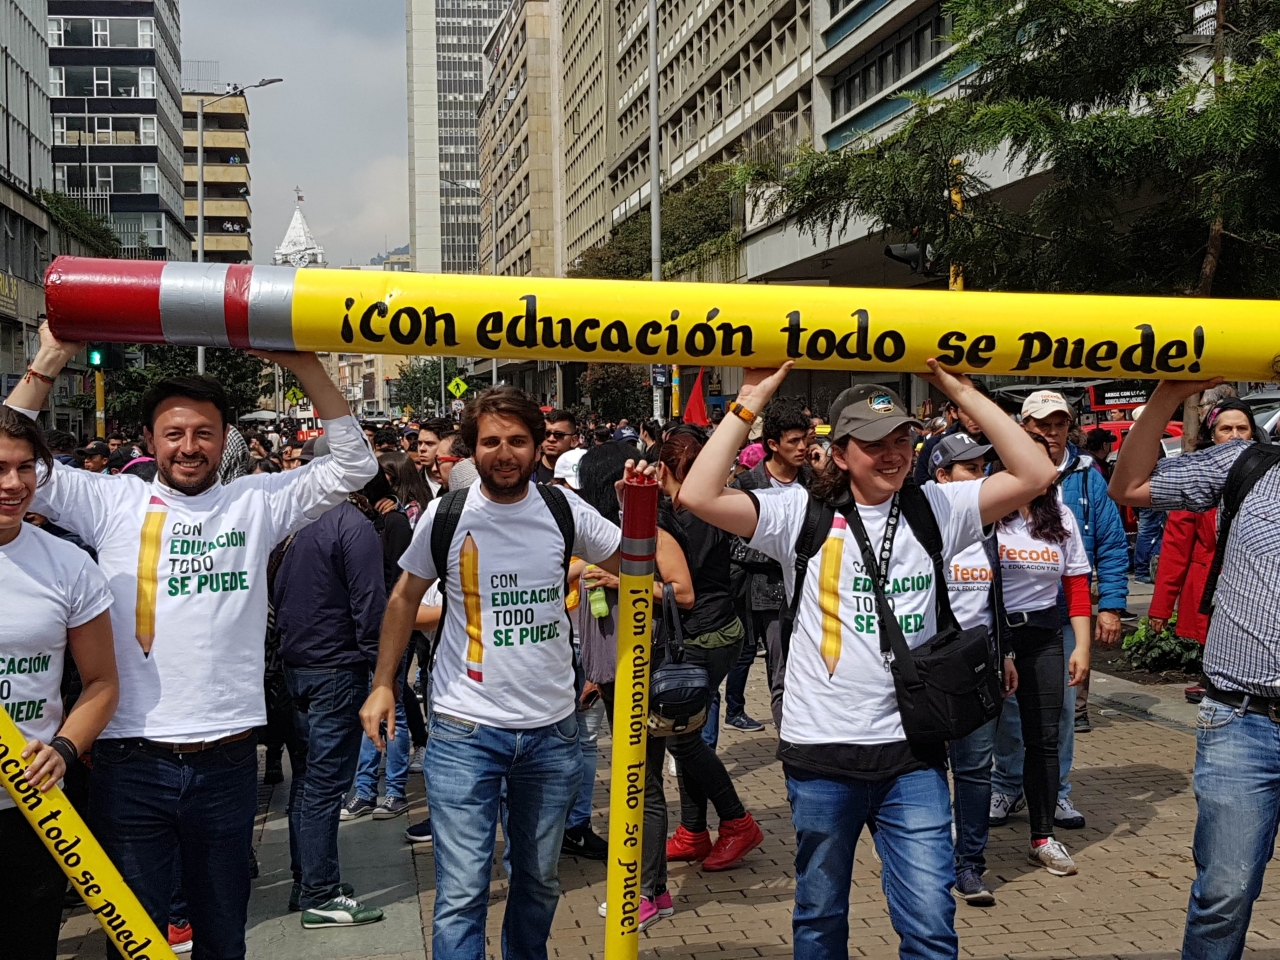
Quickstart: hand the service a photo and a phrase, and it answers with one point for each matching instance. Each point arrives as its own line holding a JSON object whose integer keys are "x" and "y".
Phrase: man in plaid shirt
{"x": 1237, "y": 774}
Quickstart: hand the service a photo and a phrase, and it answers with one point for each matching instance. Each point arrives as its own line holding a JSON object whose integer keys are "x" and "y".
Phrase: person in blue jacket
{"x": 1084, "y": 490}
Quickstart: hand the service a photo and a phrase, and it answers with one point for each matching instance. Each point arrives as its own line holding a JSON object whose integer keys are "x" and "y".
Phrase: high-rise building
{"x": 586, "y": 82}
{"x": 117, "y": 117}
{"x": 227, "y": 213}
{"x": 31, "y": 234}
{"x": 519, "y": 138}
{"x": 445, "y": 51}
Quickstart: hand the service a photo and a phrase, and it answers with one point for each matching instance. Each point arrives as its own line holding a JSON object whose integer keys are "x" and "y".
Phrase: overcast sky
{"x": 337, "y": 125}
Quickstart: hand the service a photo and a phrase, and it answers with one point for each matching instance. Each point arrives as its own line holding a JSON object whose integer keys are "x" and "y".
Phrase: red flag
{"x": 695, "y": 409}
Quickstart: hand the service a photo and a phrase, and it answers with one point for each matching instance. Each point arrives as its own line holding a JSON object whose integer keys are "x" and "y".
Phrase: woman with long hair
{"x": 57, "y": 602}
{"x": 1040, "y": 547}
{"x": 713, "y": 639}
{"x": 1190, "y": 540}
{"x": 601, "y": 468}
{"x": 407, "y": 484}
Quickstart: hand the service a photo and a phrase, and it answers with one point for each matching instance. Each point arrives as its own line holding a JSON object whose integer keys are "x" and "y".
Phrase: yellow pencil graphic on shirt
{"x": 829, "y": 593}
{"x": 469, "y": 571}
{"x": 148, "y": 573}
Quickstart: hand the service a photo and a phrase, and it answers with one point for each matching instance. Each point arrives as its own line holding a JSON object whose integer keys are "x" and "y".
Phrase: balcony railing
{"x": 97, "y": 202}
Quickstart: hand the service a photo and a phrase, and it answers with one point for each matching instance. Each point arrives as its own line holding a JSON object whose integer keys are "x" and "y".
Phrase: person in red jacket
{"x": 1190, "y": 538}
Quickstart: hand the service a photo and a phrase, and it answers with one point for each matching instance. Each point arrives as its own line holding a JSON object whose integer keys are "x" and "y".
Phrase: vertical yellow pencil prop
{"x": 631, "y": 718}
{"x": 92, "y": 875}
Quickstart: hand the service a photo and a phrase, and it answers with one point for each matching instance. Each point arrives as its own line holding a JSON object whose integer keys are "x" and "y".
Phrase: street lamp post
{"x": 200, "y": 105}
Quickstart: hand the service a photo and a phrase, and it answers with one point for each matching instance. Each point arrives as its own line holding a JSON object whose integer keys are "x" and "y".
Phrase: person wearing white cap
{"x": 1046, "y": 414}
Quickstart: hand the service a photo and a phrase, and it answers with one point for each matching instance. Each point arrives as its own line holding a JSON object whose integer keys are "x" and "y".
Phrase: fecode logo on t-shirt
{"x": 1046, "y": 558}
{"x": 969, "y": 578}
{"x": 22, "y": 710}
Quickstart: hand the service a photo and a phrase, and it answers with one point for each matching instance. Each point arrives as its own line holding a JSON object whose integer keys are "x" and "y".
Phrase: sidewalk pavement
{"x": 1132, "y": 781}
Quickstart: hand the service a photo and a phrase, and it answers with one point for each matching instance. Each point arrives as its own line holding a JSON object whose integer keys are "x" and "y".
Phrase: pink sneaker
{"x": 663, "y": 902}
{"x": 649, "y": 914}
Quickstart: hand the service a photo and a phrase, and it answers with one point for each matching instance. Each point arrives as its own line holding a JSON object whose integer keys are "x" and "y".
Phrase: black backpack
{"x": 445, "y": 525}
{"x": 1248, "y": 469}
{"x": 947, "y": 687}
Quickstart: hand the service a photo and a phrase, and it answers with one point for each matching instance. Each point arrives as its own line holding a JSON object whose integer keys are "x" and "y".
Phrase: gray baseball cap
{"x": 957, "y": 447}
{"x": 868, "y": 412}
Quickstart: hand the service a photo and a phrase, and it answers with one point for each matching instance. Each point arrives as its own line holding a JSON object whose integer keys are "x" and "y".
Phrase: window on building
{"x": 55, "y": 31}
{"x": 102, "y": 81}
{"x": 150, "y": 178}
{"x": 102, "y": 130}
{"x": 153, "y": 228}
{"x": 146, "y": 33}
{"x": 147, "y": 79}
{"x": 101, "y": 34}
{"x": 59, "y": 131}
{"x": 148, "y": 128}
{"x": 100, "y": 178}
{"x": 60, "y": 178}
{"x": 124, "y": 33}
{"x": 77, "y": 32}
{"x": 57, "y": 82}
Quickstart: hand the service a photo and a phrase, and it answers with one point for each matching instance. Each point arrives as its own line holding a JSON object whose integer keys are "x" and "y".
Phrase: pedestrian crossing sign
{"x": 457, "y": 386}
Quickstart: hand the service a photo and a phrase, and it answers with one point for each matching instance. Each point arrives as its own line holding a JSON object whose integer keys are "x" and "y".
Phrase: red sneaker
{"x": 180, "y": 938}
{"x": 737, "y": 838}
{"x": 687, "y": 845}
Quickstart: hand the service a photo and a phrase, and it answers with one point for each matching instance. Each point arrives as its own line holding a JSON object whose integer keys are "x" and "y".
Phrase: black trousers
{"x": 1040, "y": 669}
{"x": 701, "y": 773}
{"x": 31, "y": 889}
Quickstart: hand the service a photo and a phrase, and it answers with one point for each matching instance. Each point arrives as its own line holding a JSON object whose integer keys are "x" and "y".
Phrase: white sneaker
{"x": 415, "y": 759}
{"x": 1002, "y": 807}
{"x": 1066, "y": 816}
{"x": 671, "y": 766}
{"x": 1053, "y": 856}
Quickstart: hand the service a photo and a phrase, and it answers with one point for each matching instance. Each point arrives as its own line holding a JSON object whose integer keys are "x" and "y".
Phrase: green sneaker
{"x": 340, "y": 912}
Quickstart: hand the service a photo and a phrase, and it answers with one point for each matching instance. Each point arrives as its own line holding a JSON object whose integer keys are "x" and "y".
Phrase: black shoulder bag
{"x": 679, "y": 692}
{"x": 950, "y": 685}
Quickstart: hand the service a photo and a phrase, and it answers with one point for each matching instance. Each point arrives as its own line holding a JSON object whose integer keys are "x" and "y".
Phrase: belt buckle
{"x": 1273, "y": 712}
{"x": 1017, "y": 623}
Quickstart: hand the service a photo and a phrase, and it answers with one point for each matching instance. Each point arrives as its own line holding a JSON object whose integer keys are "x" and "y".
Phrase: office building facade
{"x": 228, "y": 215}
{"x": 117, "y": 118}
{"x": 445, "y": 83}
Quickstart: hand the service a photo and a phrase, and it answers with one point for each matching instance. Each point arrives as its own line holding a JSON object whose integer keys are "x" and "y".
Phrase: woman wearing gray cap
{"x": 845, "y": 753}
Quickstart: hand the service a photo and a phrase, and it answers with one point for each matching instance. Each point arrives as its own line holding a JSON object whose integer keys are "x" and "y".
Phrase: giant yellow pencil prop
{"x": 630, "y": 719}
{"x": 611, "y": 321}
{"x": 86, "y": 865}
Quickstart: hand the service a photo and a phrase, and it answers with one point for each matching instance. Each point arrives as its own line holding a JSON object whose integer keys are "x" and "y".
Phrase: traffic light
{"x": 108, "y": 356}
{"x": 97, "y": 355}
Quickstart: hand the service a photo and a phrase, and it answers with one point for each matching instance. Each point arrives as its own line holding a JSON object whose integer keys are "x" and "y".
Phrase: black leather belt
{"x": 1048, "y": 619}
{"x": 1251, "y": 703}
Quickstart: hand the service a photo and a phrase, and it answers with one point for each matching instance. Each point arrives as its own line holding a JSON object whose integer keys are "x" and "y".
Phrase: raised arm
{"x": 1027, "y": 473}
{"x": 326, "y": 400}
{"x": 1131, "y": 481}
{"x": 32, "y": 391}
{"x": 703, "y": 491}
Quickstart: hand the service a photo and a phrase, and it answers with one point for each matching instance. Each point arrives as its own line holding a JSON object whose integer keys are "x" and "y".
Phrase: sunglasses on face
{"x": 557, "y": 434}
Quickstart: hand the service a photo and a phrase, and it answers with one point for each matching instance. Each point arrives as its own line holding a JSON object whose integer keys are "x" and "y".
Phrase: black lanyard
{"x": 886, "y": 542}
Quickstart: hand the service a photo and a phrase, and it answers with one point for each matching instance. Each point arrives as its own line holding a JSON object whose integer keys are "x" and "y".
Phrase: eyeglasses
{"x": 445, "y": 458}
{"x": 558, "y": 434}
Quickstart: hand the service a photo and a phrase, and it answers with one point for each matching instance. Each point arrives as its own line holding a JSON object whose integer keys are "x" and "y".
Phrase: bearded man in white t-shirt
{"x": 845, "y": 753}
{"x": 186, "y": 558}
{"x": 503, "y": 701}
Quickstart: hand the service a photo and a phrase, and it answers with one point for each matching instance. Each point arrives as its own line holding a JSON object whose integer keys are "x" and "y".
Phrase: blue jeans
{"x": 1237, "y": 783}
{"x": 1006, "y": 775}
{"x": 149, "y": 807}
{"x": 327, "y": 715}
{"x": 911, "y": 820}
{"x": 397, "y": 761}
{"x": 1147, "y": 543}
{"x": 971, "y": 771}
{"x": 589, "y": 722}
{"x": 466, "y": 766}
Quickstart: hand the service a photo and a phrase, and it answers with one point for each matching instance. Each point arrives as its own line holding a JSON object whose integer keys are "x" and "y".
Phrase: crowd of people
{"x": 443, "y": 598}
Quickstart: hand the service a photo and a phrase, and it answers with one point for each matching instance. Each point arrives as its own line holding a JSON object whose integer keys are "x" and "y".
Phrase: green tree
{"x": 419, "y": 380}
{"x": 616, "y": 390}
{"x": 697, "y": 214}
{"x": 1160, "y": 138}
{"x": 245, "y": 378}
